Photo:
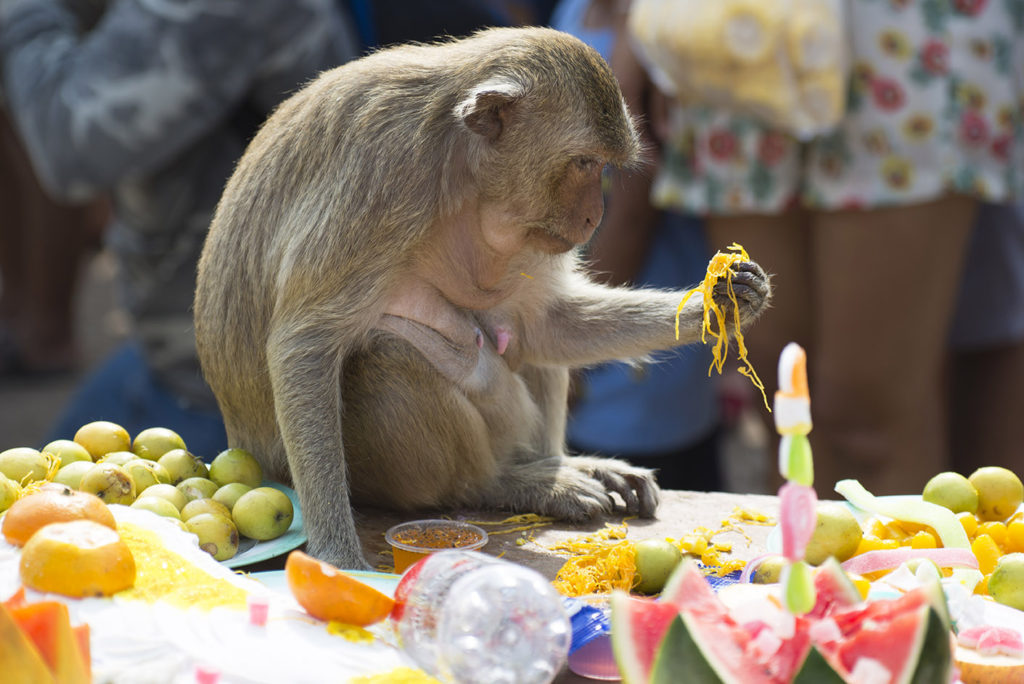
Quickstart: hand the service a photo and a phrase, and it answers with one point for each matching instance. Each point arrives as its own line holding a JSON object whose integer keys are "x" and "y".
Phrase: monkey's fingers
{"x": 648, "y": 494}
{"x": 618, "y": 483}
{"x": 748, "y": 282}
{"x": 637, "y": 486}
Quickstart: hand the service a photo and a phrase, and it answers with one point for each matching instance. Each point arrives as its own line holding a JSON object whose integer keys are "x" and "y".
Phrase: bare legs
{"x": 887, "y": 283}
{"x": 870, "y": 295}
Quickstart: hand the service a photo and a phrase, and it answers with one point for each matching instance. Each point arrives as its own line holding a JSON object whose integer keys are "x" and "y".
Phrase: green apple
{"x": 655, "y": 561}
{"x": 9, "y": 492}
{"x": 198, "y": 506}
{"x": 182, "y": 464}
{"x": 197, "y": 488}
{"x": 24, "y": 464}
{"x": 158, "y": 505}
{"x": 236, "y": 465}
{"x": 71, "y": 474}
{"x": 263, "y": 513}
{"x": 68, "y": 451}
{"x": 154, "y": 442}
{"x": 169, "y": 492}
{"x": 230, "y": 493}
{"x": 146, "y": 473}
{"x": 117, "y": 457}
{"x": 217, "y": 534}
{"x": 110, "y": 482}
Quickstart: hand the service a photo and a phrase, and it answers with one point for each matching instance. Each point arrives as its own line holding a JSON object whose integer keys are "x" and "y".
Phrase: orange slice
{"x": 54, "y": 503}
{"x": 78, "y": 558}
{"x": 330, "y": 594}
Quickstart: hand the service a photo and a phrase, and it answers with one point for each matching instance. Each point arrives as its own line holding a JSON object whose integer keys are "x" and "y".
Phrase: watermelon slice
{"x": 833, "y": 590}
{"x": 638, "y": 627}
{"x": 689, "y": 635}
{"x": 909, "y": 636}
{"x": 692, "y": 635}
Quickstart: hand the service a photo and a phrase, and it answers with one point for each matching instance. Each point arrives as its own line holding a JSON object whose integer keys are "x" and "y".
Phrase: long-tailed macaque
{"x": 391, "y": 295}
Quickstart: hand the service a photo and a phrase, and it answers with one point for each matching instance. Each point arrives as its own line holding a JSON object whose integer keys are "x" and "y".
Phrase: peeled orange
{"x": 77, "y": 558}
{"x": 54, "y": 503}
{"x": 328, "y": 593}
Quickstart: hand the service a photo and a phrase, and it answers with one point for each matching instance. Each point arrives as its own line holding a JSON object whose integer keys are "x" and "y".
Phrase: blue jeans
{"x": 124, "y": 391}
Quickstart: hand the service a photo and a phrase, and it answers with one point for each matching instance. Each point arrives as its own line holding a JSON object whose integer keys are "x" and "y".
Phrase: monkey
{"x": 393, "y": 288}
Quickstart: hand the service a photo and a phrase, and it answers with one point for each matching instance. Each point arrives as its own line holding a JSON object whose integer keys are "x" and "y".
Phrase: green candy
{"x": 798, "y": 587}
{"x": 796, "y": 463}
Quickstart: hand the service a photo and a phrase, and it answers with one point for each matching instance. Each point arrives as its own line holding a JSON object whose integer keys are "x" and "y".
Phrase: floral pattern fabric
{"x": 935, "y": 105}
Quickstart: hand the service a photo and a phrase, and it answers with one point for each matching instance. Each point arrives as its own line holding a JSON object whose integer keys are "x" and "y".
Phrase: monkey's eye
{"x": 587, "y": 164}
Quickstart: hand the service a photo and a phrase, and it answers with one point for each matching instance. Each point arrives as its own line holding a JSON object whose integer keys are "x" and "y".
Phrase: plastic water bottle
{"x": 467, "y": 617}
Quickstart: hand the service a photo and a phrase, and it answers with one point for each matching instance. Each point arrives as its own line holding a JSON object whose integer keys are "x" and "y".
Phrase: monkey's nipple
{"x": 502, "y": 335}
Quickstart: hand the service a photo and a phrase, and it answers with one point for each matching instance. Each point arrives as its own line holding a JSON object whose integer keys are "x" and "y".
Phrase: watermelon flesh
{"x": 638, "y": 627}
{"x": 690, "y": 635}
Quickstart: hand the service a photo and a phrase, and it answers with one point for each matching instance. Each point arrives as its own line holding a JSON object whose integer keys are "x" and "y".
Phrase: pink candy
{"x": 797, "y": 518}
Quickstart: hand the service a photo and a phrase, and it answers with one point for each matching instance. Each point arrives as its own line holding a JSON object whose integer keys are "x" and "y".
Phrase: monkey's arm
{"x": 592, "y": 323}
{"x": 305, "y": 373}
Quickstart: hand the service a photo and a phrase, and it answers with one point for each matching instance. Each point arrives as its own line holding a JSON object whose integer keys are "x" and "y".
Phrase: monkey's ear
{"x": 484, "y": 110}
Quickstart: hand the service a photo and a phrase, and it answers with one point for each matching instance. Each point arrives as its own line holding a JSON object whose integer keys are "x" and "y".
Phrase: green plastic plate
{"x": 251, "y": 551}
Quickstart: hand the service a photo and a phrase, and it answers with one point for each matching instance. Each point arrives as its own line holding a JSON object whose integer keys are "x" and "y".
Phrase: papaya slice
{"x": 47, "y": 625}
{"x": 20, "y": 658}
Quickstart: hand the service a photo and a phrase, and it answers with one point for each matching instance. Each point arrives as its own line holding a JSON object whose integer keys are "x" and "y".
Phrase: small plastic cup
{"x": 590, "y": 654}
{"x": 417, "y": 539}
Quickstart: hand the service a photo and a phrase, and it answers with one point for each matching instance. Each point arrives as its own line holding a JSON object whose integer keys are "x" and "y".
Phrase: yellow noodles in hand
{"x": 720, "y": 267}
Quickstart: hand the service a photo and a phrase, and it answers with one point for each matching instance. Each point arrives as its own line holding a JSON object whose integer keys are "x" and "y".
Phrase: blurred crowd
{"x": 895, "y": 238}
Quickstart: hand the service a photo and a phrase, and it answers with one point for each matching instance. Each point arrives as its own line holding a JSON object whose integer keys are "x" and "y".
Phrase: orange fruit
{"x": 328, "y": 593}
{"x": 53, "y": 503}
{"x": 77, "y": 558}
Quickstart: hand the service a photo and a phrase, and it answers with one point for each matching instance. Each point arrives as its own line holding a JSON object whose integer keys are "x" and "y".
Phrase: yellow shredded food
{"x": 598, "y": 563}
{"x": 163, "y": 575}
{"x": 720, "y": 267}
{"x": 606, "y": 559}
{"x": 400, "y": 675}
{"x": 349, "y": 632}
{"x": 33, "y": 486}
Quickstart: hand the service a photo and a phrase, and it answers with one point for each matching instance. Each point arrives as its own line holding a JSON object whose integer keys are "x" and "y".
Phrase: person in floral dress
{"x": 865, "y": 228}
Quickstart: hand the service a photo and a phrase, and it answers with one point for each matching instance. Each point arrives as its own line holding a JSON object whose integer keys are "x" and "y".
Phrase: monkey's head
{"x": 545, "y": 116}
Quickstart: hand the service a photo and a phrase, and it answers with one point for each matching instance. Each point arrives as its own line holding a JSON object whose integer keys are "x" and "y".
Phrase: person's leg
{"x": 780, "y": 245}
{"x": 987, "y": 394}
{"x": 987, "y": 345}
{"x": 885, "y": 286}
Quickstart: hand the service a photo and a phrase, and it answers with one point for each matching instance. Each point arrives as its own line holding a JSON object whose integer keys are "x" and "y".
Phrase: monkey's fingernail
{"x": 479, "y": 339}
{"x": 503, "y": 336}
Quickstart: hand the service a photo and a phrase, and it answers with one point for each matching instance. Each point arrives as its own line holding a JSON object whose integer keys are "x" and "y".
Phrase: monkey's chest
{"x": 495, "y": 391}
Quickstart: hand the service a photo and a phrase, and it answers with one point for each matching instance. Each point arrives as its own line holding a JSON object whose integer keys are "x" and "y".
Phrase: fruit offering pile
{"x": 220, "y": 503}
{"x": 988, "y": 506}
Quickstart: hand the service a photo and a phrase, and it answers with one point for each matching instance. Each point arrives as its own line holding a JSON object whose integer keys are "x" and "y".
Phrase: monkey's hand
{"x": 752, "y": 288}
{"x": 636, "y": 486}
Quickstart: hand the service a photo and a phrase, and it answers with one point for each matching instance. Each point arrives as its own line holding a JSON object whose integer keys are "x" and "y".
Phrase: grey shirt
{"x": 153, "y": 105}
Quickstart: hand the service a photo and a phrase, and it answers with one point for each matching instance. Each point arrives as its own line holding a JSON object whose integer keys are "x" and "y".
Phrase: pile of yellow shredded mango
{"x": 163, "y": 575}
{"x": 605, "y": 560}
{"x": 720, "y": 267}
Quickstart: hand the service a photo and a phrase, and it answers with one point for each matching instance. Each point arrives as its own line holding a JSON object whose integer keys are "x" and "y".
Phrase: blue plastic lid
{"x": 588, "y": 622}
